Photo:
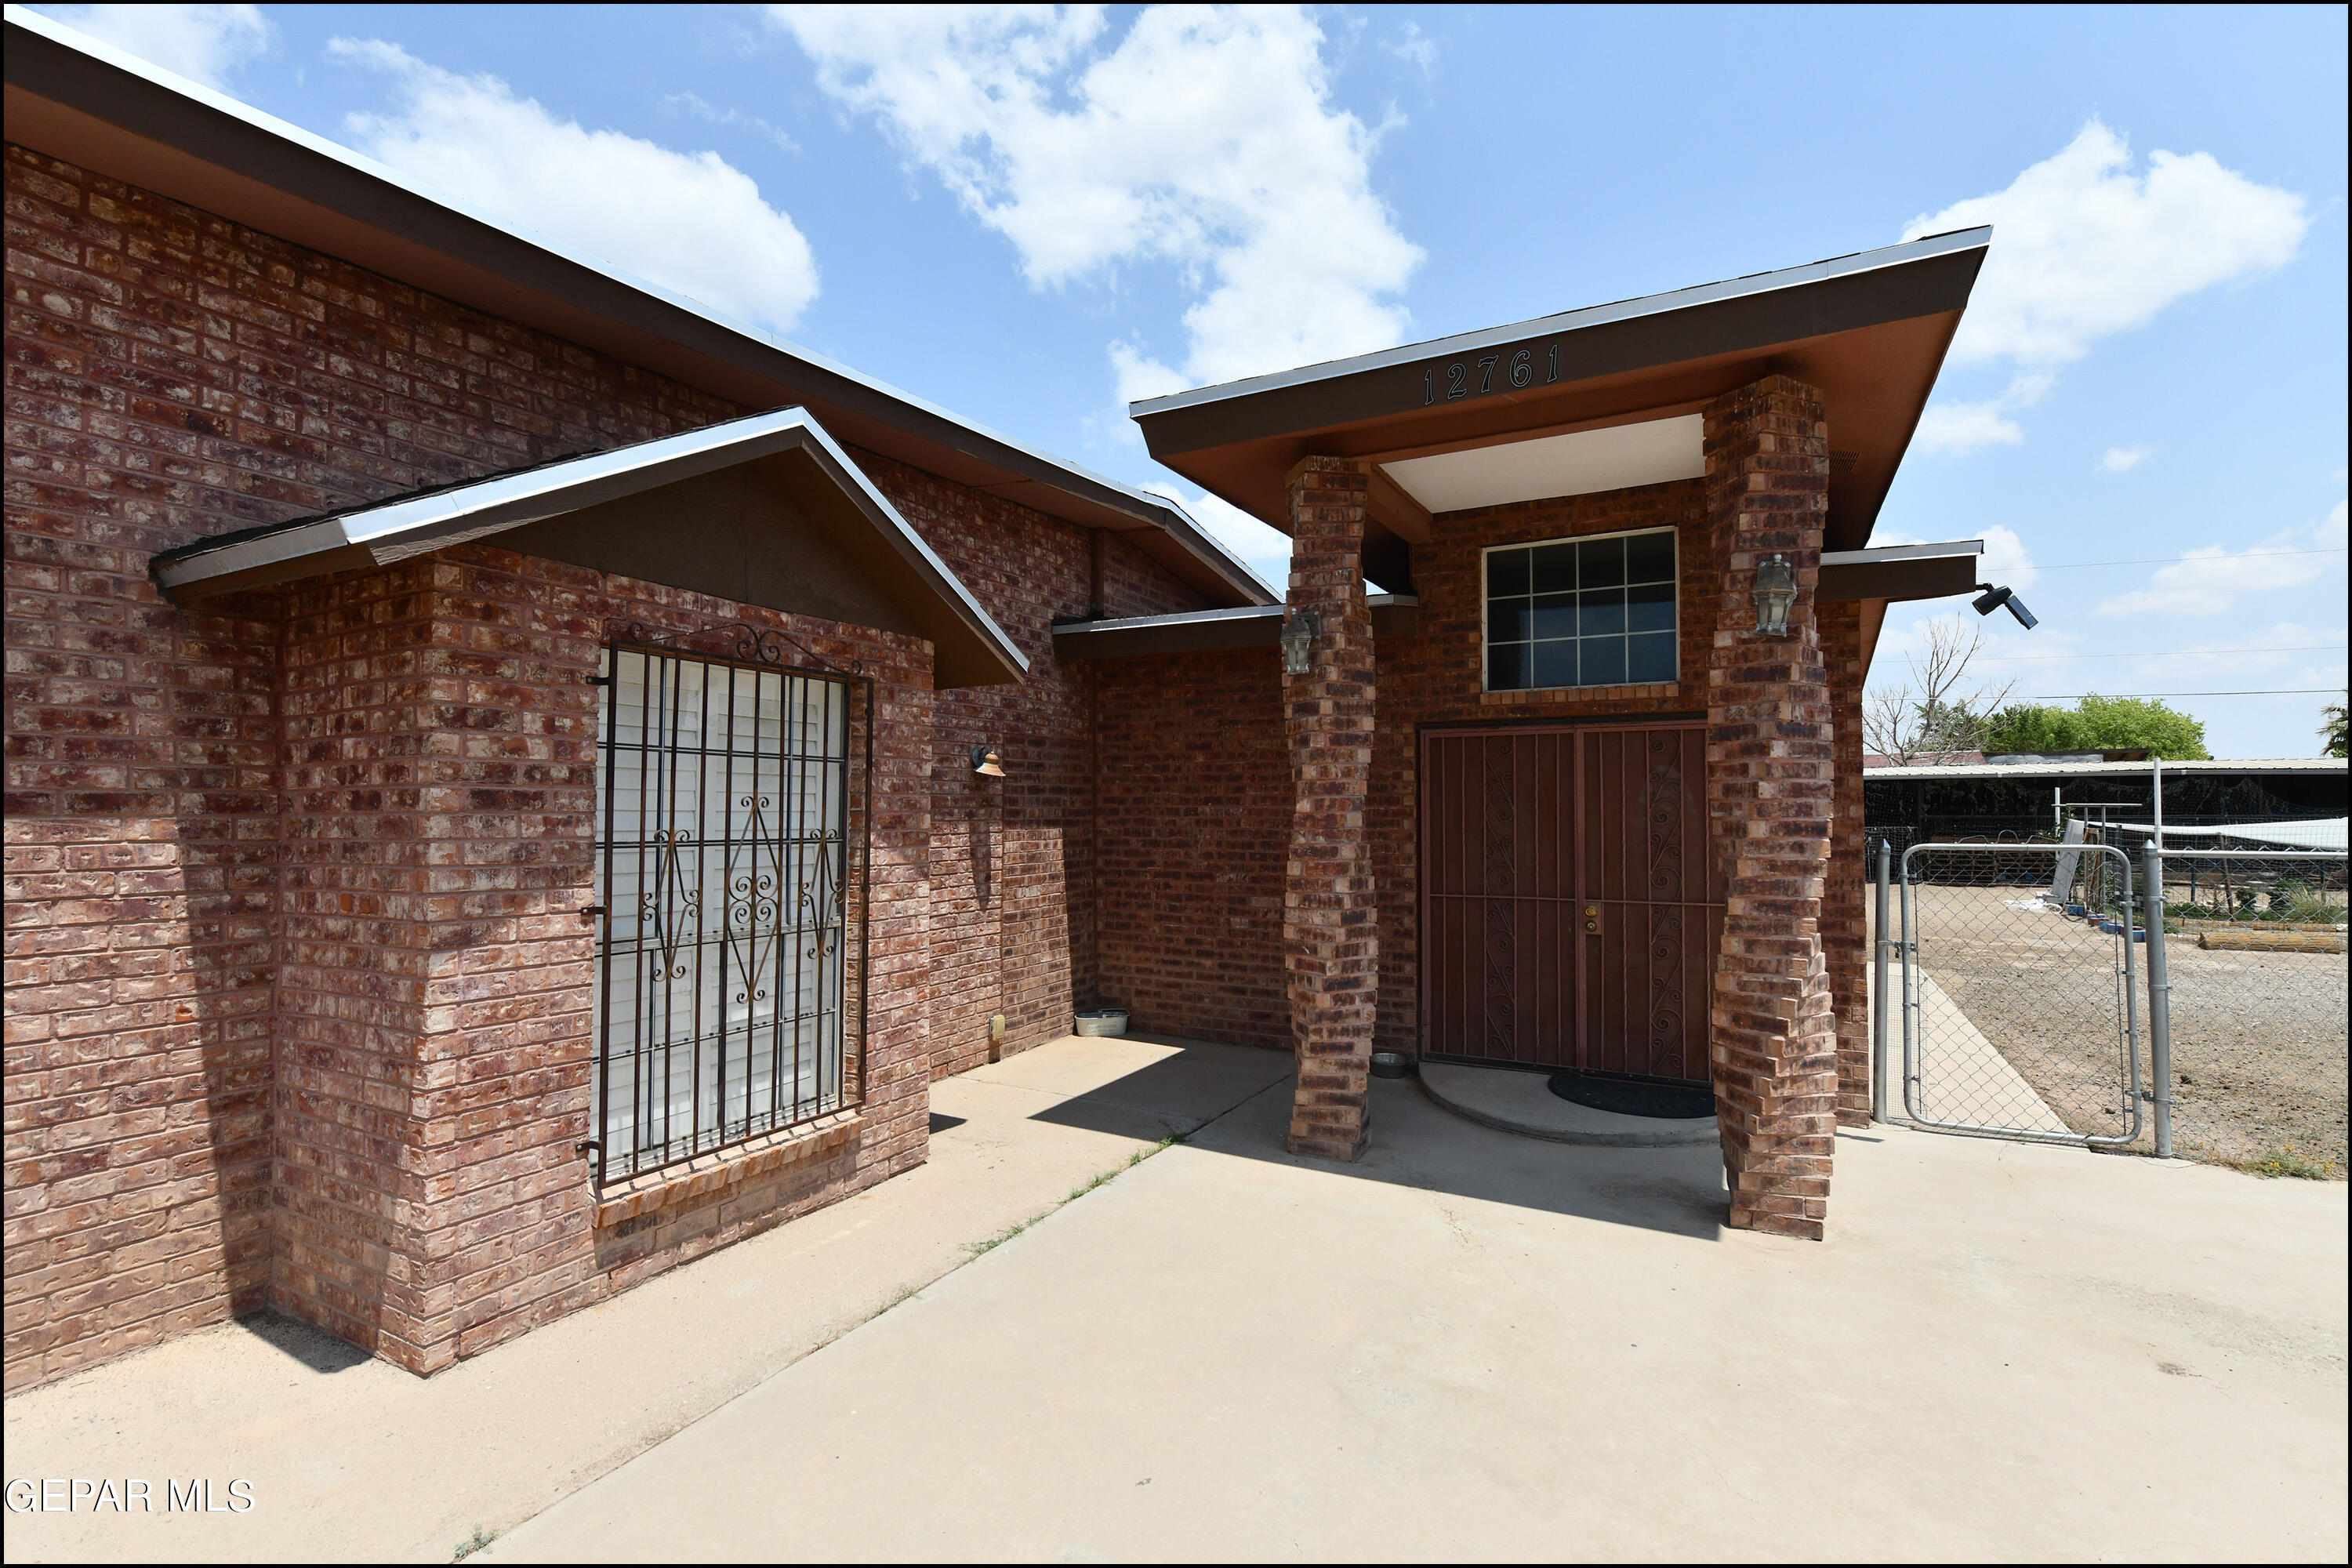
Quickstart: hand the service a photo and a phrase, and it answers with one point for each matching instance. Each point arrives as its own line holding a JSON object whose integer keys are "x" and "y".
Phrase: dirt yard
{"x": 2258, "y": 1038}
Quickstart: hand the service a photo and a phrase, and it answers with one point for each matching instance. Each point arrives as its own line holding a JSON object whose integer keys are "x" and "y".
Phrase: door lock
{"x": 1592, "y": 917}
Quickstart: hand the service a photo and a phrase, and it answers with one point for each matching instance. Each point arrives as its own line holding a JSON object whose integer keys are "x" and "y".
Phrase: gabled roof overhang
{"x": 827, "y": 489}
{"x": 1868, "y": 331}
{"x": 83, "y": 101}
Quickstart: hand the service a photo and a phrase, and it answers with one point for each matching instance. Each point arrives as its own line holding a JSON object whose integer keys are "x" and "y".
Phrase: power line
{"x": 2178, "y": 559}
{"x": 2280, "y": 692}
{"x": 2183, "y": 652}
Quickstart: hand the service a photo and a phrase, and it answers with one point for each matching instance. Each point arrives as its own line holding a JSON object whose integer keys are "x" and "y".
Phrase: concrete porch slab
{"x": 1471, "y": 1346}
{"x": 1511, "y": 1101}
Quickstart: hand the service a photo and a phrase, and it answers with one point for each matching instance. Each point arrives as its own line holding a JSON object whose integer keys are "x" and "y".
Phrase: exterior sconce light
{"x": 1776, "y": 590}
{"x": 1298, "y": 635}
{"x": 1994, "y": 598}
{"x": 986, "y": 763}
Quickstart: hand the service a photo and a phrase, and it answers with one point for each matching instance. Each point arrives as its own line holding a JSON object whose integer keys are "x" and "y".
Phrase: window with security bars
{"x": 1596, "y": 611}
{"x": 721, "y": 860}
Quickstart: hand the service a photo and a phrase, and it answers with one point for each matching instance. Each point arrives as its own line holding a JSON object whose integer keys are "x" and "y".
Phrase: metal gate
{"x": 727, "y": 985}
{"x": 2019, "y": 977}
{"x": 1570, "y": 907}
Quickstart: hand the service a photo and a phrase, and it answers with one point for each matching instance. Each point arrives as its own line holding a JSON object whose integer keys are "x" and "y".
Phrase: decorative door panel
{"x": 1570, "y": 910}
{"x": 1650, "y": 887}
{"x": 1499, "y": 884}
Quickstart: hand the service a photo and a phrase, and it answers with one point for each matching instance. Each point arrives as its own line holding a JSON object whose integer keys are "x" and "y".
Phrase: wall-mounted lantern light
{"x": 1994, "y": 598}
{"x": 987, "y": 762}
{"x": 1298, "y": 635}
{"x": 1776, "y": 590}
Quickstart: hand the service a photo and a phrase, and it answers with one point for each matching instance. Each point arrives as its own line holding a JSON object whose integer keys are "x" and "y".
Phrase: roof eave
{"x": 81, "y": 100}
{"x": 394, "y": 530}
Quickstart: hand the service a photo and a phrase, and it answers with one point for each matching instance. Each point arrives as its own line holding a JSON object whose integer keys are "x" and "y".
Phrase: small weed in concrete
{"x": 1010, "y": 1231}
{"x": 467, "y": 1548}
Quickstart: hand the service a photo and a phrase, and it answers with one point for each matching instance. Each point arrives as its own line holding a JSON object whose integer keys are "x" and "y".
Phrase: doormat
{"x": 1667, "y": 1101}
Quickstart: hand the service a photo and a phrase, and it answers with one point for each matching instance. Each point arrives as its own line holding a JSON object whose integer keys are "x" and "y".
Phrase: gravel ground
{"x": 2258, "y": 1038}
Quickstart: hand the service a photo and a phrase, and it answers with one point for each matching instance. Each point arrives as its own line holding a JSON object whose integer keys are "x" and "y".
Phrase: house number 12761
{"x": 1476, "y": 378}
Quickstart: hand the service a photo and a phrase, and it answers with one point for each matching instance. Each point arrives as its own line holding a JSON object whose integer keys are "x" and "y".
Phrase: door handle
{"x": 1592, "y": 917}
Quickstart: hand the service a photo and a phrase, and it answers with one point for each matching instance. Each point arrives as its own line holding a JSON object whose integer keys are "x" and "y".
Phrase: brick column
{"x": 1845, "y": 929}
{"x": 1328, "y": 933}
{"x": 1770, "y": 800}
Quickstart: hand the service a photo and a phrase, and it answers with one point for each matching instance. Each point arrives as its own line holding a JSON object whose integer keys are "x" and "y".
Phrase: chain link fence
{"x": 2253, "y": 968}
{"x": 2032, "y": 1003}
{"x": 2019, "y": 1004}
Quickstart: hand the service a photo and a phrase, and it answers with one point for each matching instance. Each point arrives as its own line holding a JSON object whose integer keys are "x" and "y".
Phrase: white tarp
{"x": 2321, "y": 833}
{"x": 2317, "y": 833}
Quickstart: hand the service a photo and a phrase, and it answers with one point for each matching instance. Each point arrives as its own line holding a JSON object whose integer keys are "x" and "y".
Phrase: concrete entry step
{"x": 1518, "y": 1101}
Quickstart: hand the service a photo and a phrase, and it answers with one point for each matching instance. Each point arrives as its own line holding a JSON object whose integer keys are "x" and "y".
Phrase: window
{"x": 720, "y": 861}
{"x": 1581, "y": 612}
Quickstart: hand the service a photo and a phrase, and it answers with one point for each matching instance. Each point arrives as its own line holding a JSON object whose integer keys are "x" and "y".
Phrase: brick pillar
{"x": 1845, "y": 930}
{"x": 1328, "y": 932}
{"x": 1770, "y": 800}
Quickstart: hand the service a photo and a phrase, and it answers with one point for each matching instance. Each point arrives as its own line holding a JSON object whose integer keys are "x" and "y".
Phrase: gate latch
{"x": 594, "y": 911}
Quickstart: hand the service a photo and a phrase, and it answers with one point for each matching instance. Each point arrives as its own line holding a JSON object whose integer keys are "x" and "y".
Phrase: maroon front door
{"x": 1569, "y": 909}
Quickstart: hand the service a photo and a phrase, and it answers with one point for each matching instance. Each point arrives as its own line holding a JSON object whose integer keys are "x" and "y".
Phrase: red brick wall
{"x": 1433, "y": 678}
{"x": 1845, "y": 934}
{"x": 172, "y": 375}
{"x": 185, "y": 877}
{"x": 1191, "y": 826}
{"x": 1012, "y": 903}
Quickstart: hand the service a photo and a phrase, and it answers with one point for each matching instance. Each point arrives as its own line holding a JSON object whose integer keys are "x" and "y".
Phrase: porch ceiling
{"x": 1869, "y": 332}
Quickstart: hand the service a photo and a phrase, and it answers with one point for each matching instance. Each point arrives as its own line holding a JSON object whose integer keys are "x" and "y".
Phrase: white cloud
{"x": 1204, "y": 138}
{"x": 203, "y": 43}
{"x": 2085, "y": 246}
{"x": 690, "y": 222}
{"x": 702, "y": 109}
{"x": 2123, "y": 459}
{"x": 1416, "y": 49}
{"x": 1958, "y": 427}
{"x": 2006, "y": 560}
{"x": 2209, "y": 581}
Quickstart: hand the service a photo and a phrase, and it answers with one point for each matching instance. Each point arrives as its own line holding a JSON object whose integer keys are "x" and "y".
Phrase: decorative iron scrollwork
{"x": 750, "y": 643}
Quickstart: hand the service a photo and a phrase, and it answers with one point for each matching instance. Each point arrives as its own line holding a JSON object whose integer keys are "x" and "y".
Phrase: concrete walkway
{"x": 1469, "y": 1344}
{"x": 353, "y": 1459}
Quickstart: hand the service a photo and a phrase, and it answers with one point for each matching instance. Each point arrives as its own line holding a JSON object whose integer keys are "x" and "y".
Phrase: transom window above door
{"x": 1596, "y": 611}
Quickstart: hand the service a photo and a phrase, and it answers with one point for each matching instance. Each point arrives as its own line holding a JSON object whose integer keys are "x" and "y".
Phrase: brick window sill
{"x": 706, "y": 1174}
{"x": 1633, "y": 691}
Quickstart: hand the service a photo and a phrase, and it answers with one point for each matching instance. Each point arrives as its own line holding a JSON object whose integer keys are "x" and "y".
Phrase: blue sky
{"x": 1030, "y": 215}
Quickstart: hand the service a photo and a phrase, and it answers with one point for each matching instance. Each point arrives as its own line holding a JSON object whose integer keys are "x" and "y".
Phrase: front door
{"x": 1569, "y": 909}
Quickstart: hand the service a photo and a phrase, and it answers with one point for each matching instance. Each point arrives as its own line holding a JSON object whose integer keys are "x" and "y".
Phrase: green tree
{"x": 2098, "y": 725}
{"x": 2331, "y": 728}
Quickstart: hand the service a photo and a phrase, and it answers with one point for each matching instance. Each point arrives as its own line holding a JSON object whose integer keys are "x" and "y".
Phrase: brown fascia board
{"x": 1206, "y": 631}
{"x": 1870, "y": 330}
{"x": 1901, "y": 573}
{"x": 87, "y": 104}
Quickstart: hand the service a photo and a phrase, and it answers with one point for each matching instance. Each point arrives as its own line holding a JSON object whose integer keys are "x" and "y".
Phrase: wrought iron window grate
{"x": 723, "y": 852}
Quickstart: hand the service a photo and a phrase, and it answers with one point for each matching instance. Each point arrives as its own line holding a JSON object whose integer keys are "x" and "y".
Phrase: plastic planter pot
{"x": 1102, "y": 1021}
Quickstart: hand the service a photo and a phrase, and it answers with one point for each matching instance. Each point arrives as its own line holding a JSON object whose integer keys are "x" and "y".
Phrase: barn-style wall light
{"x": 987, "y": 762}
{"x": 1776, "y": 590}
{"x": 1994, "y": 598}
{"x": 1298, "y": 635}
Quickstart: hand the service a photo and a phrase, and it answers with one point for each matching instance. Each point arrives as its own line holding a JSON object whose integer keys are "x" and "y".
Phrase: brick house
{"x": 514, "y": 783}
